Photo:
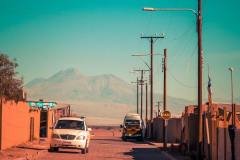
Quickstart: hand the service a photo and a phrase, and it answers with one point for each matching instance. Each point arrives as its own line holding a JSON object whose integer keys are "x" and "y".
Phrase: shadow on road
{"x": 68, "y": 151}
{"x": 139, "y": 142}
{"x": 32, "y": 147}
{"x": 107, "y": 139}
{"x": 145, "y": 154}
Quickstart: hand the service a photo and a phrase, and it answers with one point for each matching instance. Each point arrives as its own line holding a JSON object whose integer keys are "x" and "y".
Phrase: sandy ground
{"x": 105, "y": 144}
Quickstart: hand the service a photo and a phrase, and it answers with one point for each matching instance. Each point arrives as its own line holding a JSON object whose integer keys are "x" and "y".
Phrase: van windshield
{"x": 70, "y": 124}
{"x": 132, "y": 122}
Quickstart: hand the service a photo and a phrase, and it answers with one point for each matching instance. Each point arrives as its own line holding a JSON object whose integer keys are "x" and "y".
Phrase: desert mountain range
{"x": 100, "y": 97}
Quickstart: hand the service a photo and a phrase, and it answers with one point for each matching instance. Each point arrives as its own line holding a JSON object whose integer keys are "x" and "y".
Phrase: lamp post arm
{"x": 170, "y": 9}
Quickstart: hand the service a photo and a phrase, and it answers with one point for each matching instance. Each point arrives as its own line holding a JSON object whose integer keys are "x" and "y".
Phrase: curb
{"x": 165, "y": 153}
{"x": 168, "y": 156}
{"x": 30, "y": 156}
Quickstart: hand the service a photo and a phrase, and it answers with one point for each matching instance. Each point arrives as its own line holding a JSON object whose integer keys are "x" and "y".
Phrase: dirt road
{"x": 108, "y": 145}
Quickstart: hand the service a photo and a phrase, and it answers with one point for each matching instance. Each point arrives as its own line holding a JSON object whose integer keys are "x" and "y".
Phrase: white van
{"x": 133, "y": 127}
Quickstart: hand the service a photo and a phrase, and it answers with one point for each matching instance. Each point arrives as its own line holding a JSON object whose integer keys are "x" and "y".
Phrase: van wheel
{"x": 55, "y": 149}
{"x": 51, "y": 149}
{"x": 124, "y": 138}
{"x": 140, "y": 138}
{"x": 84, "y": 151}
{"x": 87, "y": 150}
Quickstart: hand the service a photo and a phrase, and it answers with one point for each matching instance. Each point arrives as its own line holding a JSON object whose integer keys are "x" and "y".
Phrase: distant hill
{"x": 71, "y": 85}
{"x": 99, "y": 97}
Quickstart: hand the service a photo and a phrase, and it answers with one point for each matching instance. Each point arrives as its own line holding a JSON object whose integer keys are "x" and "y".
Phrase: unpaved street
{"x": 108, "y": 145}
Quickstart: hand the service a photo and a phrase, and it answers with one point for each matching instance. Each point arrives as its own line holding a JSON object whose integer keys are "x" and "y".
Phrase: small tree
{"x": 10, "y": 85}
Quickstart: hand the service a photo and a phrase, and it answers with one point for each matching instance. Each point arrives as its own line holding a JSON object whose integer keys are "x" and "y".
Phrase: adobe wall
{"x": 50, "y": 123}
{"x": 217, "y": 123}
{"x": 15, "y": 124}
{"x": 173, "y": 130}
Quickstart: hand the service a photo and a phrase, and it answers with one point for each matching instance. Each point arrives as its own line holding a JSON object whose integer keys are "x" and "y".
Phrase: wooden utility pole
{"x": 1, "y": 121}
{"x": 141, "y": 83}
{"x": 137, "y": 97}
{"x": 137, "y": 84}
{"x": 152, "y": 40}
{"x": 164, "y": 97}
{"x": 200, "y": 59}
{"x": 146, "y": 103}
{"x": 232, "y": 127}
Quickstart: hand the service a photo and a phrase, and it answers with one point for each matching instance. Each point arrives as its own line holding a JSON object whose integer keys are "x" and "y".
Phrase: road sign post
{"x": 166, "y": 115}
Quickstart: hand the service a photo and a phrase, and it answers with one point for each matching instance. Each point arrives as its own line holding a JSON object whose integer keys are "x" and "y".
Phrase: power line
{"x": 181, "y": 83}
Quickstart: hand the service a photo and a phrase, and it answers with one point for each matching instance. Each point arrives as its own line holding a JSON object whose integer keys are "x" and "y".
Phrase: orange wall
{"x": 16, "y": 123}
{"x": 50, "y": 123}
{"x": 36, "y": 115}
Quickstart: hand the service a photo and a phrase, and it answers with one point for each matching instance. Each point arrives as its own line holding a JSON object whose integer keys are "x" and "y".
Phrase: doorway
{"x": 43, "y": 123}
{"x": 31, "y": 129}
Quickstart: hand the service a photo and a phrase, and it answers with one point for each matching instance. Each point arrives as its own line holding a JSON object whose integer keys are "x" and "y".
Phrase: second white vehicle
{"x": 72, "y": 133}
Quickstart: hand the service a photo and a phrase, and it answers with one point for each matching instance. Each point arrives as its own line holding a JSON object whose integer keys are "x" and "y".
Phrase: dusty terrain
{"x": 105, "y": 144}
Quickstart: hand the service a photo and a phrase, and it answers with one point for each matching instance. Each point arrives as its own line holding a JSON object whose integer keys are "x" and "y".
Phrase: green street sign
{"x": 41, "y": 104}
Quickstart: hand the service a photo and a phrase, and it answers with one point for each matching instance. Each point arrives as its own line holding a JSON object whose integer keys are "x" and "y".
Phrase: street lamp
{"x": 198, "y": 15}
{"x": 232, "y": 127}
{"x": 231, "y": 72}
{"x": 170, "y": 9}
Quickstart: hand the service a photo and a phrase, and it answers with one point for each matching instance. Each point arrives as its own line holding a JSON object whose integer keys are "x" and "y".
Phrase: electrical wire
{"x": 183, "y": 84}
{"x": 179, "y": 82}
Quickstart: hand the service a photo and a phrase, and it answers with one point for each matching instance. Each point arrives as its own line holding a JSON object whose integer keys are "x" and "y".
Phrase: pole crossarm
{"x": 140, "y": 82}
{"x": 134, "y": 82}
{"x": 145, "y": 54}
{"x": 155, "y": 37}
{"x": 142, "y": 71}
{"x": 139, "y": 70}
{"x": 140, "y": 54}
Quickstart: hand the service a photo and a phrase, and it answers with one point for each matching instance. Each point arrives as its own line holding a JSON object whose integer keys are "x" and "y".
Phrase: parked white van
{"x": 133, "y": 127}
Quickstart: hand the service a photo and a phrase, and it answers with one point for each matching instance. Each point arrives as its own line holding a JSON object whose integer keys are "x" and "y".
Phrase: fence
{"x": 173, "y": 130}
{"x": 216, "y": 141}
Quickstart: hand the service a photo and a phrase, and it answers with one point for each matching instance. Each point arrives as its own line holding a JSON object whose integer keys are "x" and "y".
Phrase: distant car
{"x": 133, "y": 127}
{"x": 72, "y": 133}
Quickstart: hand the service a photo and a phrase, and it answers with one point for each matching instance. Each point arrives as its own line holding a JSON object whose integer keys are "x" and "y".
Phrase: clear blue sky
{"x": 99, "y": 36}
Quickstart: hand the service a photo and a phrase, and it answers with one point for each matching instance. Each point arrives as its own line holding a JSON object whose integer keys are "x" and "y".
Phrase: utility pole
{"x": 164, "y": 97}
{"x": 146, "y": 103}
{"x": 198, "y": 14}
{"x": 137, "y": 82}
{"x": 146, "y": 111}
{"x": 152, "y": 40}
{"x": 232, "y": 127}
{"x": 137, "y": 97}
{"x": 200, "y": 61}
{"x": 141, "y": 83}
